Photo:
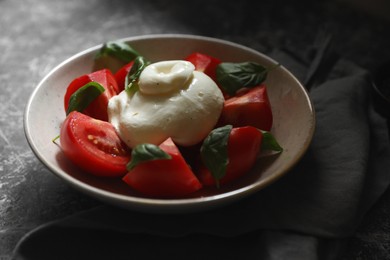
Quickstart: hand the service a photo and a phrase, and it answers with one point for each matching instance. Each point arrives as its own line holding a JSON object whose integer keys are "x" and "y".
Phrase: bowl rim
{"x": 145, "y": 203}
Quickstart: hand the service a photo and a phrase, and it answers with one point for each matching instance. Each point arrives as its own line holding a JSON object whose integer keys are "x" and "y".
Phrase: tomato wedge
{"x": 98, "y": 108}
{"x": 204, "y": 63}
{"x": 248, "y": 108}
{"x": 243, "y": 147}
{"x": 93, "y": 145}
{"x": 164, "y": 178}
{"x": 120, "y": 75}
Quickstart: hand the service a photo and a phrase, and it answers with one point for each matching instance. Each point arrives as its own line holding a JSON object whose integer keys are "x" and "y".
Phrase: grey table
{"x": 35, "y": 36}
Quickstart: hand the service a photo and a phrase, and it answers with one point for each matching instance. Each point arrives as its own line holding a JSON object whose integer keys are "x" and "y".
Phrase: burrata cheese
{"x": 173, "y": 100}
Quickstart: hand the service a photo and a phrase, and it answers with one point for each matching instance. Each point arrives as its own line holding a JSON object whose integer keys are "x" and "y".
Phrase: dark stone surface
{"x": 35, "y": 36}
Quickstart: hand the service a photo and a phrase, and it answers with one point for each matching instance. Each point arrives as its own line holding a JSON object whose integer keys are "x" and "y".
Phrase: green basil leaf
{"x": 118, "y": 49}
{"x": 146, "y": 152}
{"x": 82, "y": 97}
{"x": 131, "y": 80}
{"x": 214, "y": 152}
{"x": 269, "y": 142}
{"x": 234, "y": 76}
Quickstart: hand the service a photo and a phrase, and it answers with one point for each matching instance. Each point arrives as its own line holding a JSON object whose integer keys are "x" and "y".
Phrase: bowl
{"x": 293, "y": 127}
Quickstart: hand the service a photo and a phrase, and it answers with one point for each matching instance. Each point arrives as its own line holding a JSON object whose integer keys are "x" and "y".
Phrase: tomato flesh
{"x": 243, "y": 147}
{"x": 98, "y": 108}
{"x": 93, "y": 145}
{"x": 249, "y": 108}
{"x": 120, "y": 75}
{"x": 164, "y": 178}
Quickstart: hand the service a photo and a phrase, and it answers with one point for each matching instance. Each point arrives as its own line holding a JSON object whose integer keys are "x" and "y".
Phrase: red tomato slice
{"x": 93, "y": 145}
{"x": 164, "y": 178}
{"x": 249, "y": 108}
{"x": 204, "y": 63}
{"x": 98, "y": 108}
{"x": 243, "y": 147}
{"x": 121, "y": 74}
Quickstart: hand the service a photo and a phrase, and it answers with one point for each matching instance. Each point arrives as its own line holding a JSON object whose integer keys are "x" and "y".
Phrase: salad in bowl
{"x": 170, "y": 122}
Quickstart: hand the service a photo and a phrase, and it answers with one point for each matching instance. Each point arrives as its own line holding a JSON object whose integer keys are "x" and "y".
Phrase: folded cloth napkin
{"x": 305, "y": 215}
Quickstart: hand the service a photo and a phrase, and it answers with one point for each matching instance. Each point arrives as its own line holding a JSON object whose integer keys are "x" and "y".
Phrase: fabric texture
{"x": 307, "y": 214}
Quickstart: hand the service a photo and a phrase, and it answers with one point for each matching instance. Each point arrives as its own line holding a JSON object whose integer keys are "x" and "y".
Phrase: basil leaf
{"x": 269, "y": 142}
{"x": 214, "y": 152}
{"x": 82, "y": 97}
{"x": 146, "y": 152}
{"x": 234, "y": 76}
{"x": 118, "y": 49}
{"x": 131, "y": 80}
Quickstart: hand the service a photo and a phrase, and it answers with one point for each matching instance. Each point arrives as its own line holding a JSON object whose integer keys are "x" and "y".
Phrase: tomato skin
{"x": 98, "y": 108}
{"x": 251, "y": 107}
{"x": 204, "y": 63}
{"x": 208, "y": 65}
{"x": 243, "y": 147}
{"x": 93, "y": 145}
{"x": 164, "y": 178}
{"x": 120, "y": 75}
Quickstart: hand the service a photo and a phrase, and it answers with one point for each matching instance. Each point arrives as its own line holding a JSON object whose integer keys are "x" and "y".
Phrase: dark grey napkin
{"x": 305, "y": 215}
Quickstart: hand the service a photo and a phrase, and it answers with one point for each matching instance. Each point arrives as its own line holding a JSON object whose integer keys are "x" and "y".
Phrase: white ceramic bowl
{"x": 294, "y": 123}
